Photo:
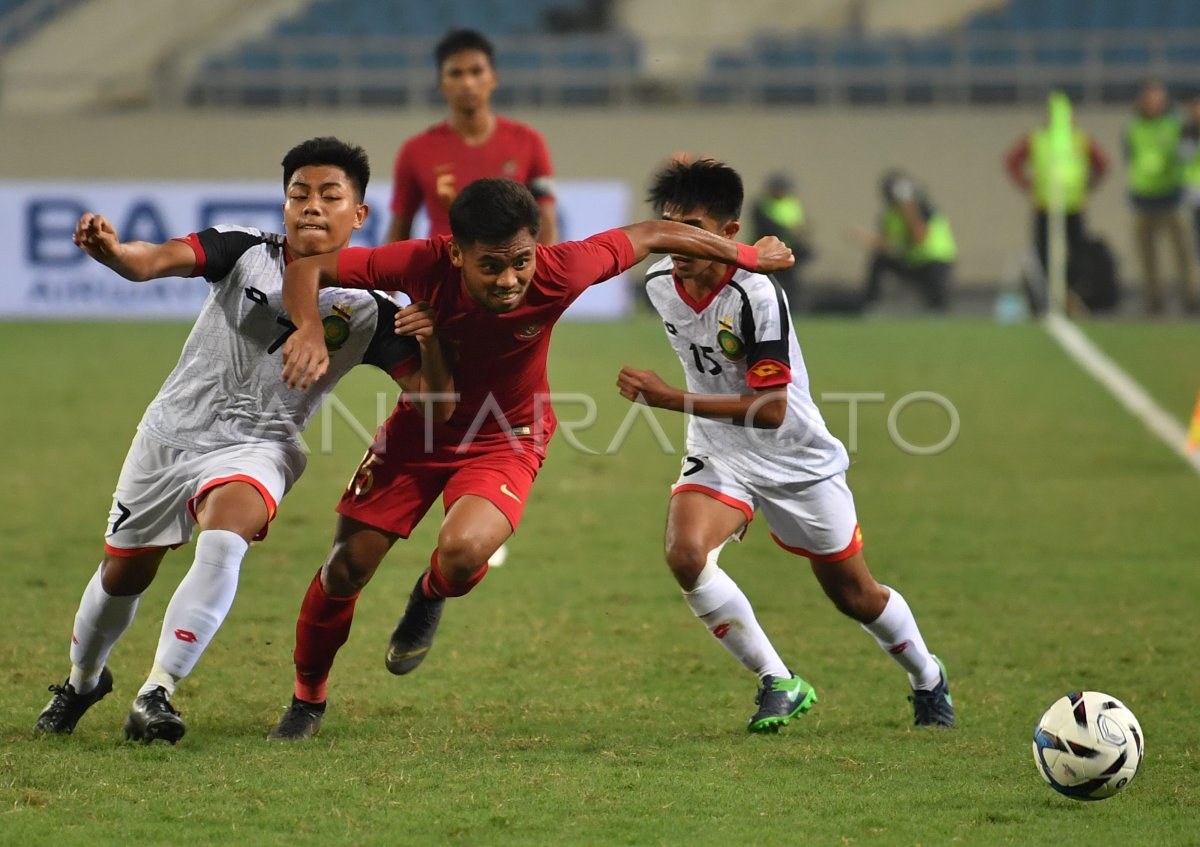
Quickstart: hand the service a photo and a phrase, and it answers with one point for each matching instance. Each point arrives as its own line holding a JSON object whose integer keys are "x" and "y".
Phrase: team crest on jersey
{"x": 337, "y": 327}
{"x": 527, "y": 333}
{"x": 731, "y": 346}
{"x": 510, "y": 168}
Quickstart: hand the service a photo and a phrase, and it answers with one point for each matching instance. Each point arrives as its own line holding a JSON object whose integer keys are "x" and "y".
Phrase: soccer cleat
{"x": 66, "y": 707}
{"x": 779, "y": 700}
{"x": 934, "y": 707}
{"x": 413, "y": 636}
{"x": 302, "y": 720}
{"x": 153, "y": 718}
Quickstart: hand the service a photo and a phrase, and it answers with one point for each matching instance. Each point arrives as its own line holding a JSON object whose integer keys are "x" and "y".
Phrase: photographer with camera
{"x": 913, "y": 243}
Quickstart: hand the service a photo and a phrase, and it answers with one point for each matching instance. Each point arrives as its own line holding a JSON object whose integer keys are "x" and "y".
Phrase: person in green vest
{"x": 1031, "y": 164}
{"x": 1155, "y": 175}
{"x": 913, "y": 243}
{"x": 780, "y": 213}
{"x": 1189, "y": 152}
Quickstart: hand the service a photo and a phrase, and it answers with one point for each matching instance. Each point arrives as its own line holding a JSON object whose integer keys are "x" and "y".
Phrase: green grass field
{"x": 572, "y": 698}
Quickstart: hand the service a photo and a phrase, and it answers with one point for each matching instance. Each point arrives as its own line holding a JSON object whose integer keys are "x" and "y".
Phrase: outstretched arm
{"x": 766, "y": 256}
{"x": 135, "y": 260}
{"x": 305, "y": 357}
{"x": 432, "y": 386}
{"x": 764, "y": 409}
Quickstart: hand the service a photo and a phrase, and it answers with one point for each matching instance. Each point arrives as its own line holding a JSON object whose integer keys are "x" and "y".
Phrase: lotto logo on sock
{"x": 899, "y": 648}
{"x": 184, "y": 635}
{"x": 721, "y": 631}
{"x": 74, "y": 640}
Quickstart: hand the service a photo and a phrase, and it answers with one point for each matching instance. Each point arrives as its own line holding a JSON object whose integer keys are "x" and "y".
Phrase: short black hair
{"x": 703, "y": 184}
{"x": 328, "y": 150}
{"x": 493, "y": 211}
{"x": 458, "y": 40}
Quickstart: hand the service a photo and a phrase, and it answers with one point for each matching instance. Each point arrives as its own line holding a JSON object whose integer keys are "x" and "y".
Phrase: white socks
{"x": 720, "y": 604}
{"x": 198, "y": 607}
{"x": 896, "y": 631}
{"x": 100, "y": 622}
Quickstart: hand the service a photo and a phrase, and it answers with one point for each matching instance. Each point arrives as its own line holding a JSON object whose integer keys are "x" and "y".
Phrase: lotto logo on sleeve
{"x": 765, "y": 369}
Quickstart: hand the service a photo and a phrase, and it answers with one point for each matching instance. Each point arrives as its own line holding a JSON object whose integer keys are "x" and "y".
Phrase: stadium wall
{"x": 835, "y": 154}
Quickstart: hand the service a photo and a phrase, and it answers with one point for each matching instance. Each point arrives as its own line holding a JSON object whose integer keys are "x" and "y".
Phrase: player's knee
{"x": 863, "y": 603}
{"x": 349, "y": 568}
{"x": 461, "y": 555}
{"x": 686, "y": 560}
{"x": 124, "y": 576}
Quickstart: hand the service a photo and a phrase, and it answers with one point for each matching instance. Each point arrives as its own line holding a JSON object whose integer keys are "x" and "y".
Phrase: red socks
{"x": 321, "y": 630}
{"x": 435, "y": 583}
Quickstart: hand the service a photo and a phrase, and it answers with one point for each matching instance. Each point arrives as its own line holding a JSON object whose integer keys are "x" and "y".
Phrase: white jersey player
{"x": 757, "y": 442}
{"x": 218, "y": 447}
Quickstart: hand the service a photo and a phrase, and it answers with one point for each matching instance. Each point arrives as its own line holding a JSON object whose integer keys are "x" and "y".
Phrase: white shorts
{"x": 155, "y": 501}
{"x": 812, "y": 519}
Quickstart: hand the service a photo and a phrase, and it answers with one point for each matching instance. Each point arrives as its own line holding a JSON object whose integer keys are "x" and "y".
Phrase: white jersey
{"x": 228, "y": 386}
{"x": 738, "y": 340}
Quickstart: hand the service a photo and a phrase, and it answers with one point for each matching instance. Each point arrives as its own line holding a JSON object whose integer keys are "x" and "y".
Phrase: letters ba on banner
{"x": 44, "y": 276}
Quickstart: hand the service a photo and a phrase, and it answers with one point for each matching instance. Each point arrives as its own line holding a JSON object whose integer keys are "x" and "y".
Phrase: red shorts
{"x": 402, "y": 474}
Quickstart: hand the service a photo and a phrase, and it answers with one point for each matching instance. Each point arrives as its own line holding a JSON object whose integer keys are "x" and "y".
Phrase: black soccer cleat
{"x": 67, "y": 706}
{"x": 934, "y": 707}
{"x": 302, "y": 720}
{"x": 153, "y": 718}
{"x": 413, "y": 636}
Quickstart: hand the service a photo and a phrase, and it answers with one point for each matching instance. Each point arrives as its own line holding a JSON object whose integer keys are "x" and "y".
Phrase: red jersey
{"x": 431, "y": 168}
{"x": 498, "y": 360}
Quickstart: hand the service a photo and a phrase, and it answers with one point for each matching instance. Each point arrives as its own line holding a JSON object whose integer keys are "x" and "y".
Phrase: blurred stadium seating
{"x": 602, "y": 52}
{"x": 20, "y": 18}
{"x": 377, "y": 51}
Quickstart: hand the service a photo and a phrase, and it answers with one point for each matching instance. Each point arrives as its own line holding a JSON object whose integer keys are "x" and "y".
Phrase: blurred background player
{"x": 1152, "y": 148}
{"x": 1189, "y": 152}
{"x": 1032, "y": 164}
{"x": 497, "y": 295}
{"x": 779, "y": 212}
{"x": 473, "y": 143}
{"x": 755, "y": 441}
{"x": 913, "y": 244}
{"x": 219, "y": 446}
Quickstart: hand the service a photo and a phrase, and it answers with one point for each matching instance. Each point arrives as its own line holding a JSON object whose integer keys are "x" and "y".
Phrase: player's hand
{"x": 97, "y": 237}
{"x": 773, "y": 255}
{"x": 645, "y": 387}
{"x": 305, "y": 357}
{"x": 416, "y": 320}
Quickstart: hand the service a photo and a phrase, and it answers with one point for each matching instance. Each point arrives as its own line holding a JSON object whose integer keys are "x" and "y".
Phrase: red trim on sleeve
{"x": 768, "y": 373}
{"x": 745, "y": 508}
{"x": 193, "y": 240}
{"x": 272, "y": 506}
{"x": 856, "y": 544}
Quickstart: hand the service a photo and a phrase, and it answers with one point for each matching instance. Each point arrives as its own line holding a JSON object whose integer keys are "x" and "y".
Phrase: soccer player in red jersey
{"x": 473, "y": 143}
{"x": 496, "y": 295}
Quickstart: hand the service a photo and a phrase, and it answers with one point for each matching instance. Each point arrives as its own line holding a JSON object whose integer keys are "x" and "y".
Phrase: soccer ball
{"x": 1088, "y": 745}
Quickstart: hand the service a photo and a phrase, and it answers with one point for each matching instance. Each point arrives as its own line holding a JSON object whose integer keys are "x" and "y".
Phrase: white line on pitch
{"x": 1122, "y": 386}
